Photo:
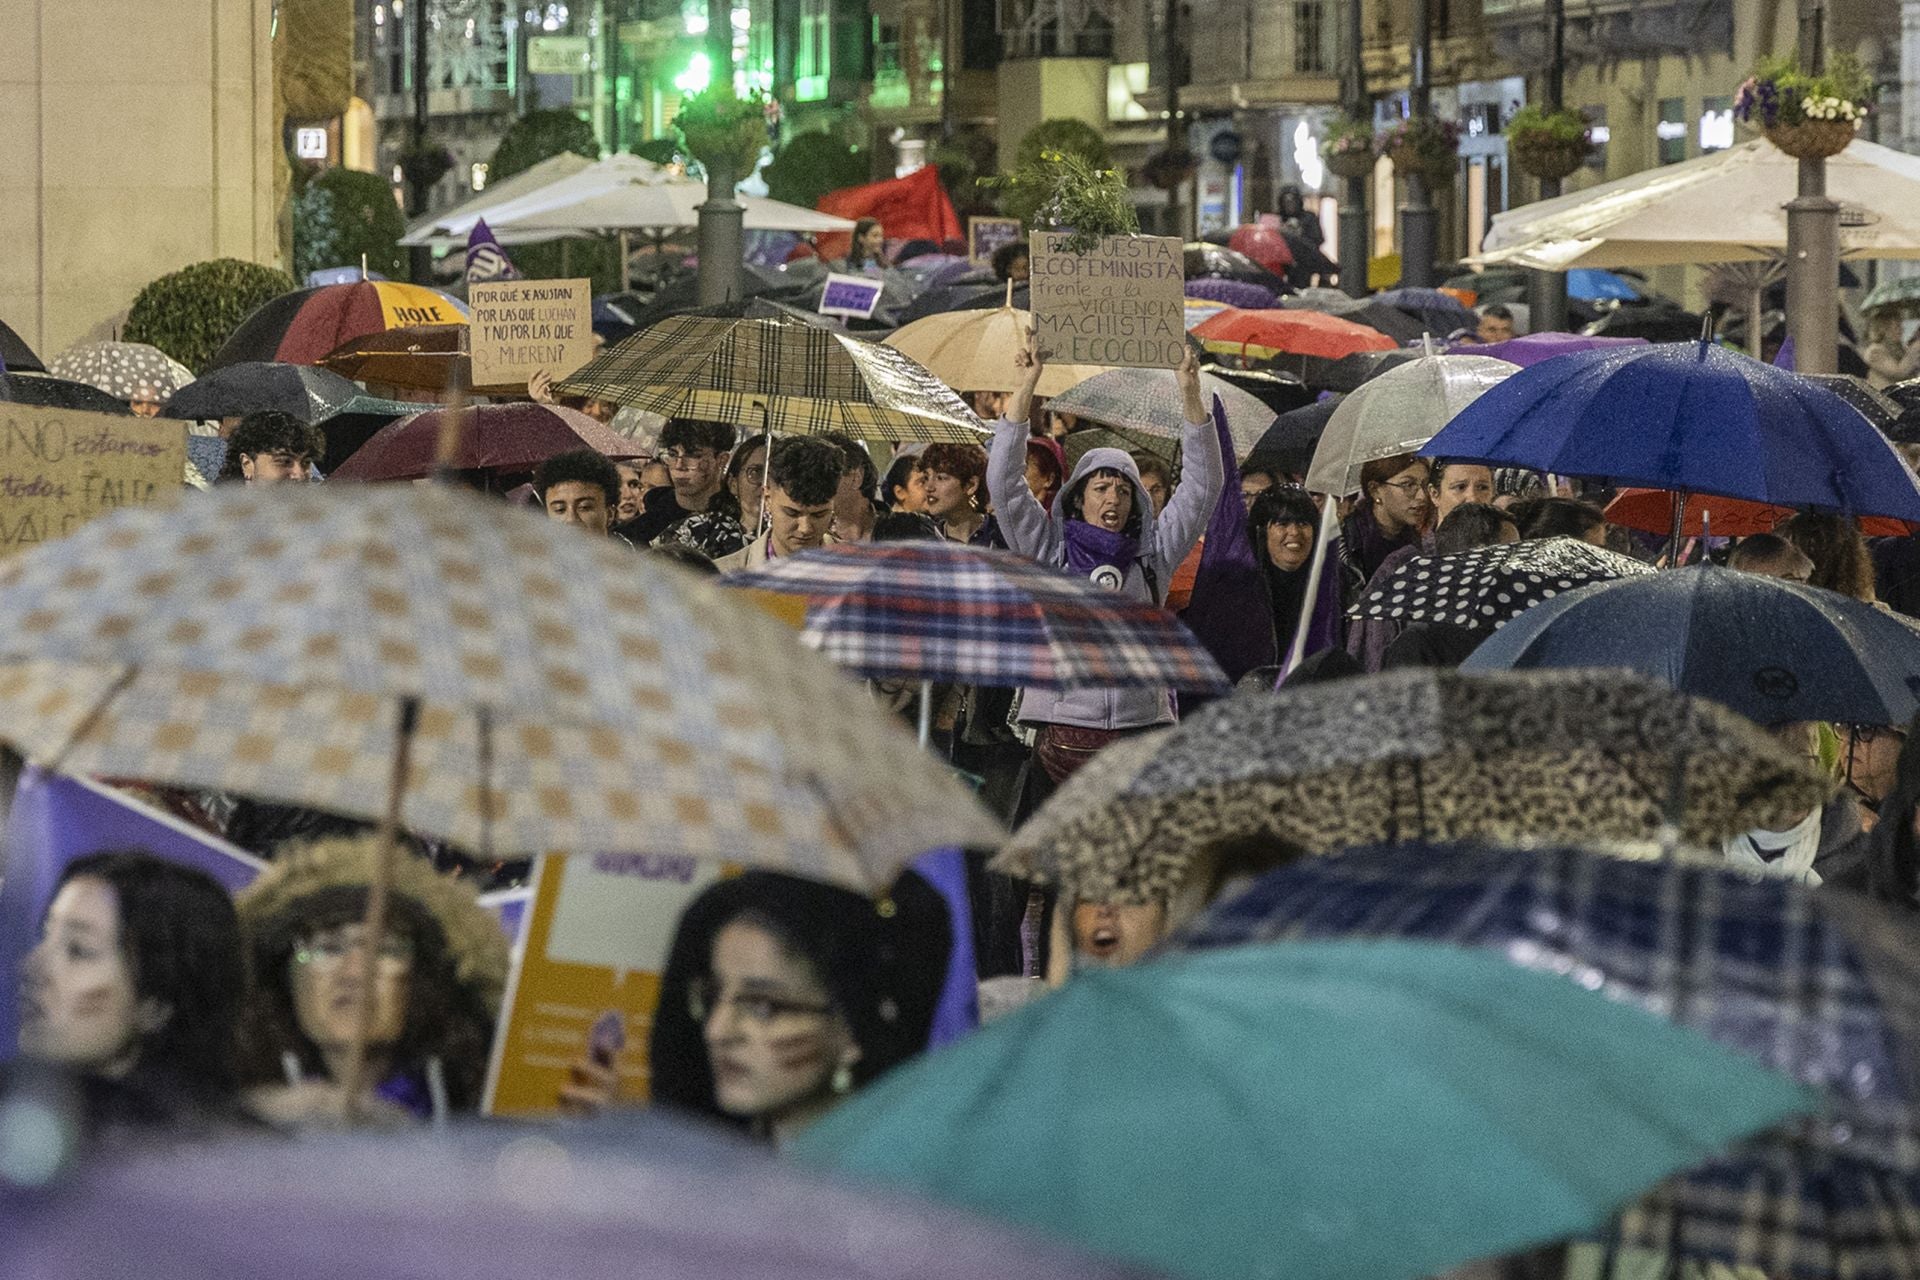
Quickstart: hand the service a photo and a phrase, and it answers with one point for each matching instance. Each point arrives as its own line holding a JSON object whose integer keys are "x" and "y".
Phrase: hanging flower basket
{"x": 1549, "y": 145}
{"x": 1813, "y": 139}
{"x": 1810, "y": 117}
{"x": 1169, "y": 170}
{"x": 425, "y": 165}
{"x": 1348, "y": 150}
{"x": 1423, "y": 145}
{"x": 723, "y": 130}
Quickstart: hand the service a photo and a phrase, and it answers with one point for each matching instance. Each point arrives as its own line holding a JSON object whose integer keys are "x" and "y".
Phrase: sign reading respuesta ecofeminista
{"x": 60, "y": 468}
{"x": 1120, "y": 303}
{"x": 524, "y": 327}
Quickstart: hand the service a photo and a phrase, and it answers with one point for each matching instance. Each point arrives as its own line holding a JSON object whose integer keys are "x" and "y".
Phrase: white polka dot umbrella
{"x": 124, "y": 370}
{"x": 1490, "y": 586}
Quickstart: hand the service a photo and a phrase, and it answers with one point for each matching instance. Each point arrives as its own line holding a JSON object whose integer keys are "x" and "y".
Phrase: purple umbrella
{"x": 631, "y": 1196}
{"x": 1535, "y": 347}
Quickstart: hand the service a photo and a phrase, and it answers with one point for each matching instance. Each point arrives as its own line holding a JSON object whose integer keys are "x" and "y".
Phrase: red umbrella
{"x": 302, "y": 326}
{"x": 1264, "y": 334}
{"x": 1265, "y": 245}
{"x": 494, "y": 437}
{"x": 1651, "y": 510}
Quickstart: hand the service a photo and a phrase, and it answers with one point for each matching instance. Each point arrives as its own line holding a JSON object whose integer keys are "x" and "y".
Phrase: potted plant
{"x": 1348, "y": 149}
{"x": 1171, "y": 168}
{"x": 1549, "y": 145}
{"x": 1067, "y": 194}
{"x": 1810, "y": 117}
{"x": 1422, "y": 144}
{"x": 426, "y": 164}
{"x": 724, "y": 131}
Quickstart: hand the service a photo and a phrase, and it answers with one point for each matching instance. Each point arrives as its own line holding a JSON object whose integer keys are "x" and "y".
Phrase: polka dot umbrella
{"x": 1487, "y": 587}
{"x": 124, "y": 370}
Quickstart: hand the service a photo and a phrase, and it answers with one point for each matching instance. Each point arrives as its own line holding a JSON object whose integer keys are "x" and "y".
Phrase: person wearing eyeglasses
{"x": 1395, "y": 508}
{"x": 695, "y": 453}
{"x": 783, "y": 995}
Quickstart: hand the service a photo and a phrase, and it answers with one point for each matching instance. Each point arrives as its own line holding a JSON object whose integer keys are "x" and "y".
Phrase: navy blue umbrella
{"x": 1688, "y": 416}
{"x": 1441, "y": 313}
{"x": 1774, "y": 651}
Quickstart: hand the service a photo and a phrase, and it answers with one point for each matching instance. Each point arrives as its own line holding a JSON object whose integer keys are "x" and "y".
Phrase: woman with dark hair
{"x": 782, "y": 995}
{"x": 868, "y": 248}
{"x": 437, "y": 981}
{"x": 138, "y": 979}
{"x": 1841, "y": 561}
{"x": 1561, "y": 518}
{"x": 1282, "y": 527}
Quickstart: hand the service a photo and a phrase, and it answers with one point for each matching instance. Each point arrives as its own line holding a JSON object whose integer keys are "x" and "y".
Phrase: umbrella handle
{"x": 379, "y": 890}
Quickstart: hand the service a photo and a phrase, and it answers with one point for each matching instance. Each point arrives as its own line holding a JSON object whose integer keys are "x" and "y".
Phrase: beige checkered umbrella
{"x": 777, "y": 375}
{"x": 569, "y": 695}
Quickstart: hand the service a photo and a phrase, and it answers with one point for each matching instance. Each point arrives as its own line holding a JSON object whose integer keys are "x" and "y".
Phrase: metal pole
{"x": 420, "y": 257}
{"x": 720, "y": 38}
{"x": 1419, "y": 224}
{"x": 1176, "y": 126}
{"x": 1356, "y": 231}
{"x": 722, "y": 238}
{"x": 1813, "y": 240}
{"x": 1547, "y": 290}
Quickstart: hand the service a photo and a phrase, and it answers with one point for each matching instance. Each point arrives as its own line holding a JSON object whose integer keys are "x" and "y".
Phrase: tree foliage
{"x": 812, "y": 164}
{"x": 190, "y": 313}
{"x": 1064, "y": 135}
{"x": 540, "y": 135}
{"x": 342, "y": 213}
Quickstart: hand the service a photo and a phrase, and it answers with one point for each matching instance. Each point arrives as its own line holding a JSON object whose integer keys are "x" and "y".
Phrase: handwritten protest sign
{"x": 984, "y": 235}
{"x": 521, "y": 327}
{"x": 596, "y": 939}
{"x": 855, "y": 296}
{"x": 60, "y": 468}
{"x": 1120, "y": 303}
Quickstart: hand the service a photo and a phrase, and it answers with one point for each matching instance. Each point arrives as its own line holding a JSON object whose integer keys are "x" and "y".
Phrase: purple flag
{"x": 1229, "y": 611}
{"x": 56, "y": 820}
{"x": 958, "y": 1011}
{"x": 486, "y": 259}
{"x": 1783, "y": 358}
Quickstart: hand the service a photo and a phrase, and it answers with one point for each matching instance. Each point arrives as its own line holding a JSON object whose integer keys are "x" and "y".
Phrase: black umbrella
{"x": 1288, "y": 445}
{"x": 1487, "y": 587}
{"x": 308, "y": 393}
{"x": 1309, "y": 260}
{"x": 15, "y": 355}
{"x": 1393, "y": 322}
{"x": 1656, "y": 322}
{"x": 1216, "y": 262}
{"x": 961, "y": 297}
{"x": 1876, "y": 407}
{"x": 1906, "y": 428}
{"x": 58, "y": 393}
{"x": 1278, "y": 391}
{"x": 1350, "y": 373}
{"x": 681, "y": 296}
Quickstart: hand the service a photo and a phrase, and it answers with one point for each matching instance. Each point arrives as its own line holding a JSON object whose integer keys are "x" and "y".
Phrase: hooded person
{"x": 782, "y": 995}
{"x": 1103, "y": 527}
{"x": 438, "y": 979}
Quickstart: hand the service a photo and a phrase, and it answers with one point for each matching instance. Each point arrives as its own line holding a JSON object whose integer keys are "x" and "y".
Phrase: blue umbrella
{"x": 1774, "y": 651}
{"x": 1591, "y": 284}
{"x": 1687, "y": 416}
{"x": 1814, "y": 984}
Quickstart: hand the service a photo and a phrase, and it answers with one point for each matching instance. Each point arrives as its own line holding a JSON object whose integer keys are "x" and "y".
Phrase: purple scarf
{"x": 1091, "y": 549}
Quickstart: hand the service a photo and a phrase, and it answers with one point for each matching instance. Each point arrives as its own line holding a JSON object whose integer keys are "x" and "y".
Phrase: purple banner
{"x": 850, "y": 296}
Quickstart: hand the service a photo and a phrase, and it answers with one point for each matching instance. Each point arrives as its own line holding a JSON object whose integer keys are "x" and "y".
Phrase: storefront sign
{"x": 559, "y": 56}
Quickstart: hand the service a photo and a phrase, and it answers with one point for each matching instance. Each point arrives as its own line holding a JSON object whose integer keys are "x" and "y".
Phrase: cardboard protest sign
{"x": 985, "y": 235}
{"x": 521, "y": 327}
{"x": 594, "y": 945}
{"x": 1121, "y": 303}
{"x": 60, "y": 468}
{"x": 854, "y": 296}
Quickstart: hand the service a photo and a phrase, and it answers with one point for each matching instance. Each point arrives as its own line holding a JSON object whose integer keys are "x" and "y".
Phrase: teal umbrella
{"x": 1364, "y": 1110}
{"x": 1903, "y": 293}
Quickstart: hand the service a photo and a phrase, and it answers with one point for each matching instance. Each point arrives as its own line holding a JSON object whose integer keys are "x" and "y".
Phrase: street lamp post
{"x": 419, "y": 258}
{"x": 1418, "y": 221}
{"x": 722, "y": 238}
{"x": 1354, "y": 230}
{"x": 1547, "y": 290}
{"x": 1813, "y": 239}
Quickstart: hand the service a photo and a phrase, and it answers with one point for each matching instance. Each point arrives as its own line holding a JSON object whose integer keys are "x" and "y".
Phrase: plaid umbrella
{"x": 975, "y": 350}
{"x": 1397, "y": 412}
{"x": 1489, "y": 586}
{"x": 493, "y": 437}
{"x": 944, "y": 611}
{"x": 124, "y": 370}
{"x": 1147, "y": 401}
{"x": 569, "y": 696}
{"x": 780, "y": 374}
{"x": 1411, "y": 754}
{"x": 1820, "y": 986}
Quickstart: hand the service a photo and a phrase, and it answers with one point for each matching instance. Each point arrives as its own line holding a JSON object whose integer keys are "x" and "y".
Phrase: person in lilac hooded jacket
{"x": 1102, "y": 526}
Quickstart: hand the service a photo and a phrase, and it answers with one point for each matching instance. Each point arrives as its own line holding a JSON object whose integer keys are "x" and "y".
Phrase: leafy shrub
{"x": 190, "y": 313}
{"x": 342, "y": 213}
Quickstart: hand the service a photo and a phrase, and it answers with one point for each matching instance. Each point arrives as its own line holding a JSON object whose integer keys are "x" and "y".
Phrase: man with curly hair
{"x": 579, "y": 487}
{"x": 805, "y": 476}
{"x": 271, "y": 447}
